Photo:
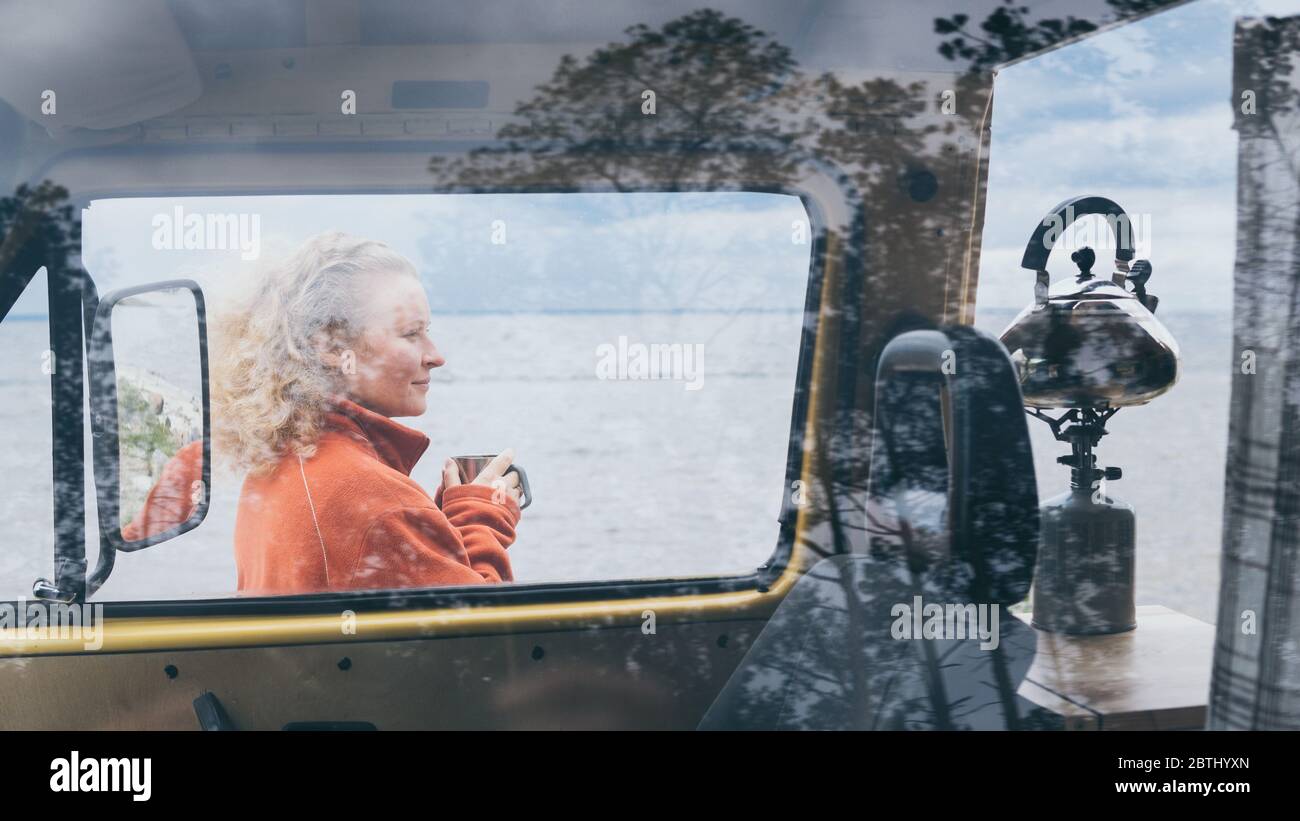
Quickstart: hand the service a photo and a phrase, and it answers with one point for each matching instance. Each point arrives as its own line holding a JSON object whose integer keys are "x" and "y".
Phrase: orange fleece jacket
{"x": 350, "y": 517}
{"x": 171, "y": 501}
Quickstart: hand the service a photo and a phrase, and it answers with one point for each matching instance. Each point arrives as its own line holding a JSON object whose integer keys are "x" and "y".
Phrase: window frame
{"x": 775, "y": 572}
{"x": 70, "y": 307}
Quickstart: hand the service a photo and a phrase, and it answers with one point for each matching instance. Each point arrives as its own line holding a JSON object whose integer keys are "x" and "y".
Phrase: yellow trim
{"x": 207, "y": 632}
{"x": 821, "y": 366}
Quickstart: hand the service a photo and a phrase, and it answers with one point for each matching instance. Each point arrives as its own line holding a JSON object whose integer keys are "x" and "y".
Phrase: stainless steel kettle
{"x": 1089, "y": 342}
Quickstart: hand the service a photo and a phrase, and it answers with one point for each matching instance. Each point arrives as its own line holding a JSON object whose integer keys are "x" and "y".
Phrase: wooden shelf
{"x": 1156, "y": 677}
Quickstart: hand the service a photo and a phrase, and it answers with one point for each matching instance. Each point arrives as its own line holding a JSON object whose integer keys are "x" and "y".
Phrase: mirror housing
{"x": 140, "y": 417}
{"x": 951, "y": 457}
{"x": 952, "y": 425}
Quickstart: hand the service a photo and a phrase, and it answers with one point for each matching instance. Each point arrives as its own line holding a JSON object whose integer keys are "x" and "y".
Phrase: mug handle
{"x": 523, "y": 486}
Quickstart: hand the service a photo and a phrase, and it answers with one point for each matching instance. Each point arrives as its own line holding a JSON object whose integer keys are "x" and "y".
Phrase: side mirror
{"x": 148, "y": 367}
{"x": 952, "y": 460}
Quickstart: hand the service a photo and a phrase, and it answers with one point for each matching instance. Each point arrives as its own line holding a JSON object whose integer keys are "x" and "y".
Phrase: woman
{"x": 173, "y": 499}
{"x": 310, "y": 370}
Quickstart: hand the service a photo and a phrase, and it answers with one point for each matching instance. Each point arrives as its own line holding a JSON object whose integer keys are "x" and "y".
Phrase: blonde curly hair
{"x": 270, "y": 386}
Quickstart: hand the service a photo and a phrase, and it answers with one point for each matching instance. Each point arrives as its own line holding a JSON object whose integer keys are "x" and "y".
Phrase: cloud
{"x": 1142, "y": 115}
{"x": 1193, "y": 148}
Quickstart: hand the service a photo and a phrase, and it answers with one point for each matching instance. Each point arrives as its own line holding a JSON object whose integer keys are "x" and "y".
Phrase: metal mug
{"x": 471, "y": 466}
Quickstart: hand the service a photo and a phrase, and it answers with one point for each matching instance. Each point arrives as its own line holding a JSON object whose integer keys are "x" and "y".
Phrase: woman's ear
{"x": 340, "y": 352}
{"x": 336, "y": 353}
{"x": 326, "y": 348}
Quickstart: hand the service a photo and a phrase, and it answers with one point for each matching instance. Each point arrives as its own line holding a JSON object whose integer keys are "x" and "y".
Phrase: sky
{"x": 495, "y": 253}
{"x": 1141, "y": 114}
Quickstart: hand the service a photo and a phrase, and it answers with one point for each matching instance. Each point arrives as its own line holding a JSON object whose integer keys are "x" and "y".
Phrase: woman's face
{"x": 394, "y": 355}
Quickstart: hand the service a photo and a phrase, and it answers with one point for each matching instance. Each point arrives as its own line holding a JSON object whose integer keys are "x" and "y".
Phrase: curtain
{"x": 1256, "y": 680}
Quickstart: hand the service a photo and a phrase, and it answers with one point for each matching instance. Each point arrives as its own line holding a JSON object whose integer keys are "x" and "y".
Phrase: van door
{"x": 867, "y": 122}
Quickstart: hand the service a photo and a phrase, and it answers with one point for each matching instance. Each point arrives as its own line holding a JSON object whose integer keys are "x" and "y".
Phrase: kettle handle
{"x": 1056, "y": 221}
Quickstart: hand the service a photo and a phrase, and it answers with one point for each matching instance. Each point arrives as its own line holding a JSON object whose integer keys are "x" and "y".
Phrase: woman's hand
{"x": 494, "y": 475}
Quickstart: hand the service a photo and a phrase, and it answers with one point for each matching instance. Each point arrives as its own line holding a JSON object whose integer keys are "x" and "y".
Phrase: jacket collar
{"x": 396, "y": 445}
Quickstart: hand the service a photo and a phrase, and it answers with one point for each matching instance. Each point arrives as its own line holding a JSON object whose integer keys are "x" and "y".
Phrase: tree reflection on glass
{"x": 896, "y": 165}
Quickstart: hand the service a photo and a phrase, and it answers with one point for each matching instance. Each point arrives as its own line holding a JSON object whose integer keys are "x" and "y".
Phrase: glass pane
{"x": 26, "y": 482}
{"x": 159, "y": 411}
{"x": 637, "y": 352}
{"x": 1168, "y": 157}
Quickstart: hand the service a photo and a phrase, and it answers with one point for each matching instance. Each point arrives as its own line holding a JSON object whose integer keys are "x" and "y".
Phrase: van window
{"x": 1156, "y": 135}
{"x": 637, "y": 351}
